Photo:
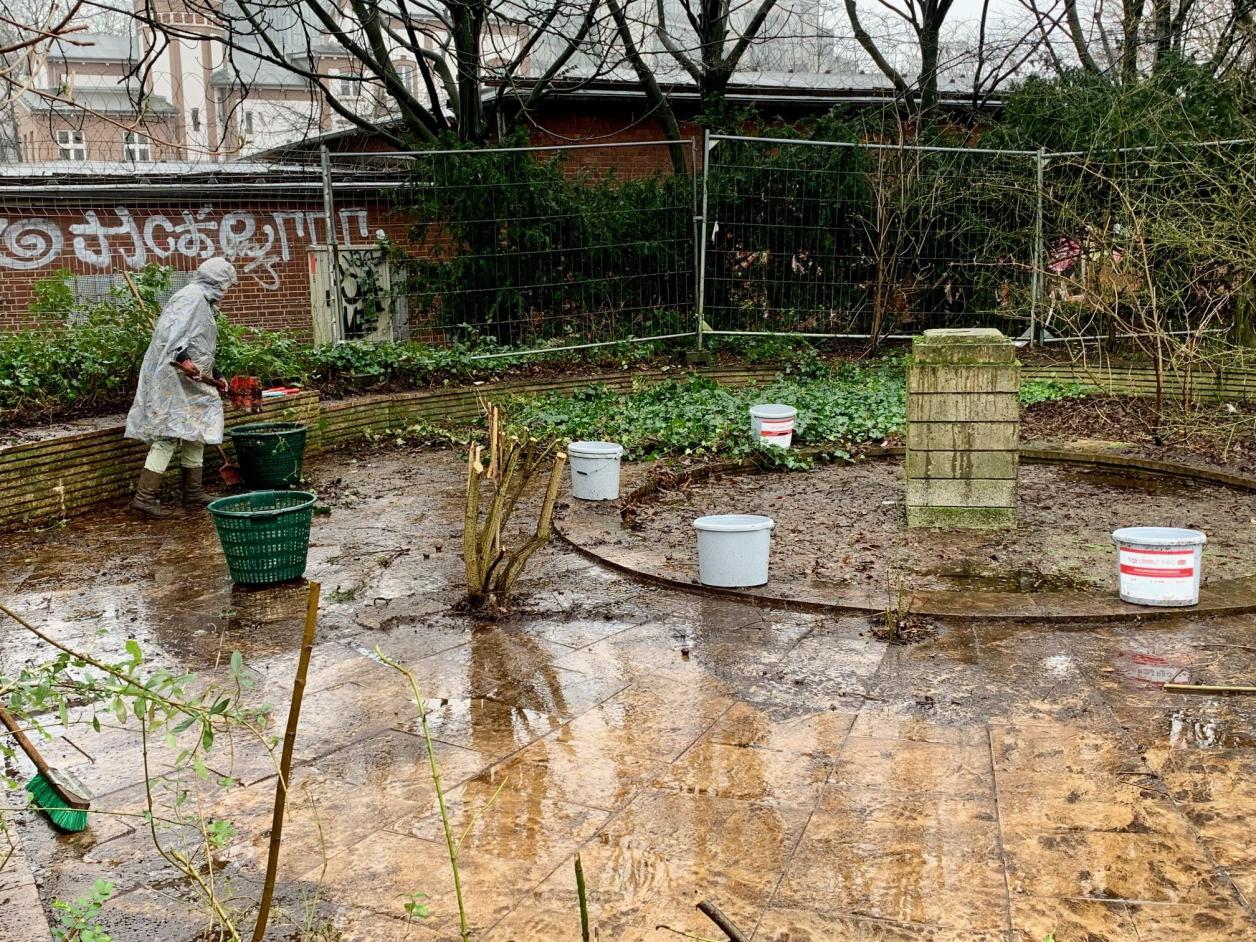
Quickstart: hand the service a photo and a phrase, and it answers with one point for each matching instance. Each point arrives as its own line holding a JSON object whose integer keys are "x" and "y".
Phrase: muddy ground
{"x": 1216, "y": 434}
{"x": 845, "y": 525}
{"x": 994, "y": 783}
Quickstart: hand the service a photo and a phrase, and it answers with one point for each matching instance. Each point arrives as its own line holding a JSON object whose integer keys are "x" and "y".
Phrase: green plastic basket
{"x": 265, "y": 535}
{"x": 270, "y": 453}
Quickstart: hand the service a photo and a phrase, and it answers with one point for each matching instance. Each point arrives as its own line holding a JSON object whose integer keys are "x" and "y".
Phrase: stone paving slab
{"x": 998, "y": 781}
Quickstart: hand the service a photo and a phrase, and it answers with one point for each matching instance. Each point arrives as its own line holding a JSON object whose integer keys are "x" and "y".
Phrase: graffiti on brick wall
{"x": 257, "y": 242}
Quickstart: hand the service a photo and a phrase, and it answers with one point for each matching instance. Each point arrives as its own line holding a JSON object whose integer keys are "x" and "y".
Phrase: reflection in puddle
{"x": 1126, "y": 480}
{"x": 974, "y": 577}
{"x": 1186, "y": 732}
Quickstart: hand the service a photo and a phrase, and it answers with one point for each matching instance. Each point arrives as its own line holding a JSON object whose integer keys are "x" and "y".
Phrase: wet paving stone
{"x": 997, "y": 782}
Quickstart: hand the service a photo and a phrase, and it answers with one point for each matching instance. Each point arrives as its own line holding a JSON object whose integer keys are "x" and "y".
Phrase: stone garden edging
{"x": 590, "y": 529}
{"x": 76, "y": 466}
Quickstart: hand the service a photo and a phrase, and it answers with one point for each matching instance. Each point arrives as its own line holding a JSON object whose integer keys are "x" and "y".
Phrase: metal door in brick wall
{"x": 371, "y": 305}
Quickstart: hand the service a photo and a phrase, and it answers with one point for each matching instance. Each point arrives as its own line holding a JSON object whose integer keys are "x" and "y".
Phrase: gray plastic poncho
{"x": 167, "y": 403}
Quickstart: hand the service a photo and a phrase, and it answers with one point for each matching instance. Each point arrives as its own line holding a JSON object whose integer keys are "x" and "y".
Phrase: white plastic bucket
{"x": 1159, "y": 565}
{"x": 595, "y": 470}
{"x": 733, "y": 549}
{"x": 773, "y": 424}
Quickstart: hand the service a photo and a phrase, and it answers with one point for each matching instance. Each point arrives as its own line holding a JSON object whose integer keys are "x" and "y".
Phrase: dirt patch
{"x": 1213, "y": 434}
{"x": 845, "y": 526}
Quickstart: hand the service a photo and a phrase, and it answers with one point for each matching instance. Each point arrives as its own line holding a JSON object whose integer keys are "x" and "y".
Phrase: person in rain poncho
{"x": 177, "y": 404}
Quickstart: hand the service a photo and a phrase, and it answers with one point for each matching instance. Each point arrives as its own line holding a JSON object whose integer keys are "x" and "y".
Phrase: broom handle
{"x": 28, "y": 747}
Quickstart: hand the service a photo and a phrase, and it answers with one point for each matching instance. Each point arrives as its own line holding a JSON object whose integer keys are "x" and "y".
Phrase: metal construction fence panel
{"x": 1144, "y": 242}
{"x": 72, "y": 237}
{"x": 849, "y": 239}
{"x": 526, "y": 248}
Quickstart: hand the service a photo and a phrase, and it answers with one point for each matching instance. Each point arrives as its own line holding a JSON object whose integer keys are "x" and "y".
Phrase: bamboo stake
{"x": 1207, "y": 689}
{"x": 285, "y": 763}
{"x": 582, "y": 896}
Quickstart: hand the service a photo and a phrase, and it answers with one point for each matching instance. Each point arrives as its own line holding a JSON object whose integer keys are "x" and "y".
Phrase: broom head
{"x": 62, "y": 797}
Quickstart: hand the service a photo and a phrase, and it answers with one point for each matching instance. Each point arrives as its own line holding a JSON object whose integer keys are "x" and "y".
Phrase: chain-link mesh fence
{"x": 525, "y": 248}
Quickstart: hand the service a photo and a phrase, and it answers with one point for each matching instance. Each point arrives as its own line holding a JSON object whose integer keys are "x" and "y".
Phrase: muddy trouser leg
{"x": 191, "y": 454}
{"x": 160, "y": 453}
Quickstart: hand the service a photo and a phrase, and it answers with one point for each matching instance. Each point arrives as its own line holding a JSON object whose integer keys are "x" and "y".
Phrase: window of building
{"x": 196, "y": 119}
{"x": 71, "y": 145}
{"x": 136, "y": 147}
{"x": 248, "y": 122}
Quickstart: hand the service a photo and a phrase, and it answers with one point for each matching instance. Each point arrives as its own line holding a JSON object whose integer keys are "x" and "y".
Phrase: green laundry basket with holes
{"x": 265, "y": 535}
{"x": 270, "y": 453}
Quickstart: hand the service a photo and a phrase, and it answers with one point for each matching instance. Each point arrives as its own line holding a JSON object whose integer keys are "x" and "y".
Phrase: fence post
{"x": 701, "y": 231}
{"x": 1040, "y": 163}
{"x": 333, "y": 251}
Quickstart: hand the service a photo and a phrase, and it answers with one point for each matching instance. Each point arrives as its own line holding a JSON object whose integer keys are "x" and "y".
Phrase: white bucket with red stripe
{"x": 773, "y": 424}
{"x": 1159, "y": 565}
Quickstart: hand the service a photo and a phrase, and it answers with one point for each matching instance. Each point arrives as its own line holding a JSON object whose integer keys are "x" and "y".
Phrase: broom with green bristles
{"x": 57, "y": 794}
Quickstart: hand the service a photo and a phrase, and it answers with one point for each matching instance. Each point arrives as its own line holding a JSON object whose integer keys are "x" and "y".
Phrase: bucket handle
{"x": 253, "y": 515}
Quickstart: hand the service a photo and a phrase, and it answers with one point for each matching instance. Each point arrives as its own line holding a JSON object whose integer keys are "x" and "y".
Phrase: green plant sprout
{"x": 77, "y": 920}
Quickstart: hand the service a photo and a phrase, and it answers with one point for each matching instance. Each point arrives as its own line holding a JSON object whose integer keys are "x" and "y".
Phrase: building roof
{"x": 806, "y": 90}
{"x": 162, "y": 179}
{"x": 95, "y": 47}
{"x": 118, "y": 99}
{"x": 245, "y": 70}
{"x": 149, "y": 171}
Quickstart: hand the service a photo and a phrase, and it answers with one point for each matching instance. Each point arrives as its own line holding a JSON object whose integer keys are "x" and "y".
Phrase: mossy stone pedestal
{"x": 963, "y": 428}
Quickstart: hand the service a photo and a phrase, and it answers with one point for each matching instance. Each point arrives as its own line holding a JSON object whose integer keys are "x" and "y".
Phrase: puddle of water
{"x": 973, "y": 577}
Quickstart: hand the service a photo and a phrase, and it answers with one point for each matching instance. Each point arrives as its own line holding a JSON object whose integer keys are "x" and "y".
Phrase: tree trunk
{"x": 929, "y": 67}
{"x": 1131, "y": 23}
{"x": 466, "y": 34}
{"x": 1162, "y": 17}
{"x": 662, "y": 107}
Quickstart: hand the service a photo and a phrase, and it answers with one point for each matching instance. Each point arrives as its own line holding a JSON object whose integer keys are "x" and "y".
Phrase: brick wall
{"x": 618, "y": 127}
{"x": 98, "y": 240}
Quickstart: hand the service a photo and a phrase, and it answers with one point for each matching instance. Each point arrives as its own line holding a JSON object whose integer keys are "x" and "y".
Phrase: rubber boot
{"x": 146, "y": 501}
{"x": 193, "y": 491}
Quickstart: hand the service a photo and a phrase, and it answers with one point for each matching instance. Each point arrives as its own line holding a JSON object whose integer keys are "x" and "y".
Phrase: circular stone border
{"x": 589, "y": 528}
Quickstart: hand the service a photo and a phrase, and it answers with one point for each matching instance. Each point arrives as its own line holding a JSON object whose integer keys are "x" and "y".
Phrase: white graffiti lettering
{"x": 261, "y": 241}
{"x": 99, "y": 254}
{"x": 29, "y": 244}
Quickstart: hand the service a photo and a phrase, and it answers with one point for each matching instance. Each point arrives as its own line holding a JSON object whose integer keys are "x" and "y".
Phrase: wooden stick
{"x": 471, "y": 522}
{"x": 506, "y": 578}
{"x": 712, "y": 912}
{"x": 1207, "y": 689}
{"x": 285, "y": 763}
{"x": 582, "y": 896}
